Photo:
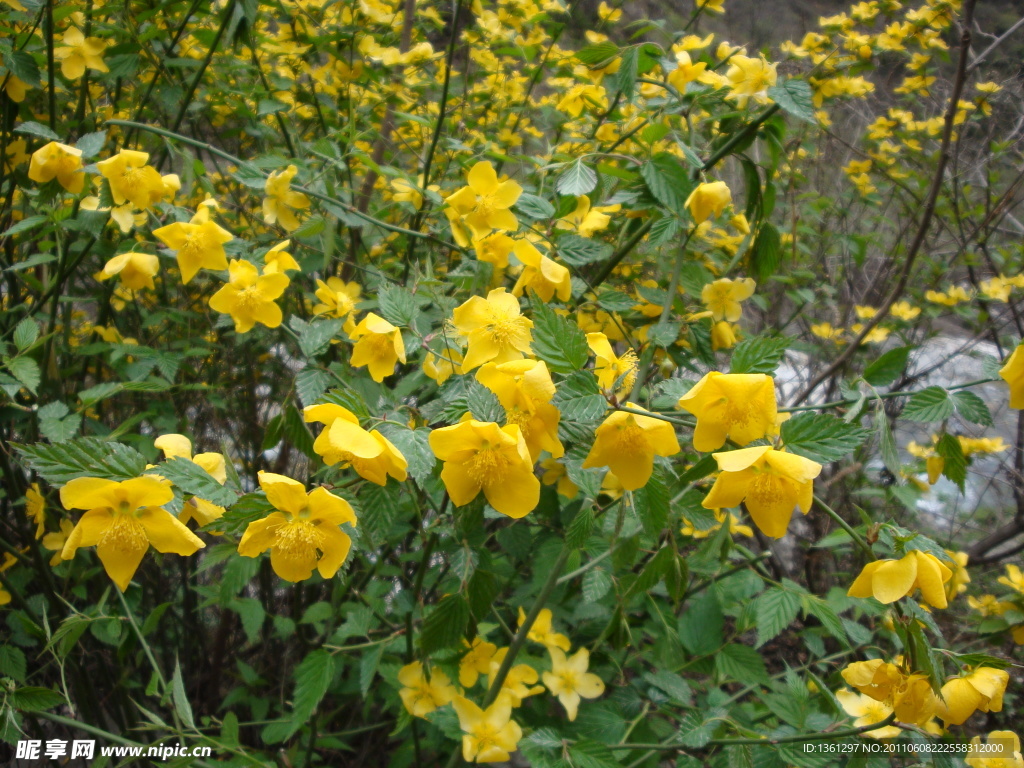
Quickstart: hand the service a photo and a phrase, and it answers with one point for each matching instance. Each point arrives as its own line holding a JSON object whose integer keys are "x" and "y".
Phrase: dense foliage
{"x": 407, "y": 383}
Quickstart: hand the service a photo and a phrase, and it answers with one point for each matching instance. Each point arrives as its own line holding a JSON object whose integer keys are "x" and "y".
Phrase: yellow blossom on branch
{"x": 707, "y": 200}
{"x": 489, "y": 735}
{"x": 78, "y": 53}
{"x": 627, "y": 443}
{"x": 741, "y": 406}
{"x": 281, "y": 200}
{"x": 420, "y": 695}
{"x": 980, "y": 690}
{"x": 570, "y": 681}
{"x": 889, "y": 580}
{"x": 58, "y": 161}
{"x": 378, "y": 346}
{"x": 303, "y": 534}
{"x": 524, "y": 389}
{"x": 722, "y": 297}
{"x": 343, "y": 442}
{"x": 483, "y": 205}
{"x": 250, "y": 297}
{"x": 135, "y": 270}
{"x": 494, "y": 327}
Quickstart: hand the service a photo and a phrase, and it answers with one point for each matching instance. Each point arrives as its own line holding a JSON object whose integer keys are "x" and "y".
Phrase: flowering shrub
{"x": 494, "y": 325}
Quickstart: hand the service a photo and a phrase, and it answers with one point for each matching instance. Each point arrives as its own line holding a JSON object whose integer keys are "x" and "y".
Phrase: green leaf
{"x": 91, "y": 144}
{"x": 369, "y": 661}
{"x": 296, "y": 431}
{"x": 579, "y": 397}
{"x": 25, "y": 334}
{"x": 701, "y": 624}
{"x": 775, "y": 610}
{"x": 742, "y": 663}
{"x": 25, "y": 370}
{"x": 446, "y": 625}
{"x": 192, "y": 479}
{"x": 12, "y": 662}
{"x": 313, "y": 677}
{"x": 652, "y": 503}
{"x": 625, "y": 78}
{"x": 580, "y": 528}
{"x": 826, "y": 615}
{"x": 23, "y": 66}
{"x": 310, "y": 384}
{"x": 887, "y": 443}
{"x": 663, "y": 334}
{"x": 972, "y": 408}
{"x": 757, "y": 355}
{"x": 672, "y": 684}
{"x": 887, "y": 368}
{"x": 931, "y": 404}
{"x": 25, "y": 225}
{"x": 56, "y": 424}
{"x": 591, "y": 754}
{"x": 32, "y": 699}
{"x": 397, "y": 304}
{"x": 415, "y": 446}
{"x": 954, "y": 465}
{"x": 181, "y": 705}
{"x": 664, "y": 230}
{"x": 82, "y": 457}
{"x": 36, "y": 129}
{"x": 795, "y": 97}
{"x": 533, "y": 207}
{"x": 766, "y": 252}
{"x": 596, "y": 583}
{"x": 598, "y": 53}
{"x": 316, "y": 337}
{"x": 577, "y": 251}
{"x": 557, "y": 341}
{"x": 577, "y": 179}
{"x": 820, "y": 437}
{"x": 668, "y": 181}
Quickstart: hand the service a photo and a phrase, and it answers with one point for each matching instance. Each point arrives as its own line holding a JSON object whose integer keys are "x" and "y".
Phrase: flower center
{"x": 504, "y": 330}
{"x": 125, "y": 534}
{"x": 766, "y": 488}
{"x": 249, "y": 299}
{"x": 630, "y": 439}
{"x": 299, "y": 538}
{"x": 489, "y": 465}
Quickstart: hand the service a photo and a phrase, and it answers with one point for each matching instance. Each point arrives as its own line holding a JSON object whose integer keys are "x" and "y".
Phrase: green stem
{"x": 229, "y": 10}
{"x": 857, "y": 538}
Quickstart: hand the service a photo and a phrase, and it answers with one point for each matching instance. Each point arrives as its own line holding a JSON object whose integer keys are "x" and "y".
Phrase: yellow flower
{"x": 771, "y": 482}
{"x": 337, "y": 298}
{"x": 707, "y": 200}
{"x": 524, "y": 389}
{"x": 889, "y": 580}
{"x": 198, "y": 245}
{"x": 555, "y": 474}
{"x": 714, "y": 6}
{"x": 277, "y": 259}
{"x": 826, "y": 331}
{"x": 122, "y": 520}
{"x": 58, "y": 161}
{"x": 686, "y": 71}
{"x": 1012, "y": 373}
{"x": 627, "y": 443}
{"x": 877, "y": 678}
{"x": 723, "y": 335}
{"x": 378, "y": 345}
{"x": 281, "y": 199}
{"x": 569, "y": 679}
{"x": 613, "y": 372}
{"x": 490, "y": 735}
{"x": 476, "y": 661}
{"x": 587, "y": 220}
{"x": 723, "y": 297}
{"x": 494, "y": 249}
{"x": 519, "y": 683}
{"x": 542, "y": 631}
{"x": 35, "y": 508}
{"x": 740, "y": 406}
{"x": 481, "y": 456}
{"x": 1009, "y": 757}
{"x": 304, "y": 533}
{"x": 543, "y": 275}
{"x": 15, "y": 155}
{"x": 420, "y": 695}
{"x": 960, "y": 579}
{"x": 606, "y": 13}
{"x": 178, "y": 446}
{"x": 249, "y": 297}
{"x": 1014, "y": 579}
{"x": 441, "y": 367}
{"x": 867, "y": 711}
{"x": 132, "y": 181}
{"x": 55, "y": 541}
{"x": 494, "y": 327}
{"x": 136, "y": 270}
{"x": 79, "y": 52}
{"x": 8, "y": 561}
{"x": 989, "y": 605}
{"x": 482, "y": 205}
{"x": 981, "y": 689}
{"x": 749, "y": 77}
{"x": 342, "y": 441}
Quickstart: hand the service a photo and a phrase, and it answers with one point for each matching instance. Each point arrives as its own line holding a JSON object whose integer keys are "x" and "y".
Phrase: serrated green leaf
{"x": 887, "y": 368}
{"x": 741, "y": 662}
{"x": 36, "y": 129}
{"x": 25, "y": 370}
{"x": 415, "y": 446}
{"x": 931, "y": 404}
{"x": 315, "y": 338}
{"x": 577, "y": 251}
{"x": 534, "y": 207}
{"x": 887, "y": 443}
{"x": 775, "y": 609}
{"x": 972, "y": 408}
{"x": 766, "y": 252}
{"x": 397, "y": 304}
{"x": 579, "y": 398}
{"x": 296, "y": 432}
{"x": 557, "y": 341}
{"x": 56, "y": 424}
{"x": 311, "y": 383}
{"x": 192, "y": 479}
{"x": 795, "y": 97}
{"x": 12, "y": 663}
{"x": 33, "y": 699}
{"x": 596, "y": 583}
{"x": 23, "y": 66}
{"x": 577, "y": 179}
{"x": 820, "y": 437}
{"x": 446, "y": 625}
{"x": 757, "y": 355}
{"x": 91, "y": 143}
{"x": 178, "y": 695}
{"x": 83, "y": 457}
{"x": 668, "y": 181}
{"x": 954, "y": 465}
{"x": 313, "y": 677}
{"x": 25, "y": 334}
{"x": 598, "y": 53}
